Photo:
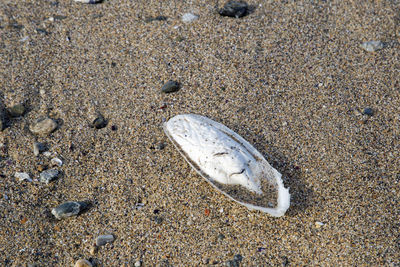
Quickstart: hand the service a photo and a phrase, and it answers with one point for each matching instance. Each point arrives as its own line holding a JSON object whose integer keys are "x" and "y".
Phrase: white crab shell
{"x": 223, "y": 157}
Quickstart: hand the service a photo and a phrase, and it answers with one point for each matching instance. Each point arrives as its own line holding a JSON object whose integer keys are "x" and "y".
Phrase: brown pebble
{"x": 83, "y": 263}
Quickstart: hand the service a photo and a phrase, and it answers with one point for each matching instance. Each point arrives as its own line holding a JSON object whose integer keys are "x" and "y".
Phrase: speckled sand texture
{"x": 290, "y": 77}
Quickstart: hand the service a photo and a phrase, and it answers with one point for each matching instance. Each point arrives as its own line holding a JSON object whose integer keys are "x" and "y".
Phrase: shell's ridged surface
{"x": 229, "y": 163}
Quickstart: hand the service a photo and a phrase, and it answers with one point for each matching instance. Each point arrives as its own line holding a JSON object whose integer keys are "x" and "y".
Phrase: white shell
{"x": 228, "y": 162}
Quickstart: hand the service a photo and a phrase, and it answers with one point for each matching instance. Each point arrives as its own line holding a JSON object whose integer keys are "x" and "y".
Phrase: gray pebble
{"x": 22, "y": 176}
{"x": 48, "y": 175}
{"x": 235, "y": 9}
{"x": 104, "y": 239}
{"x": 189, "y": 17}
{"x": 170, "y": 87}
{"x": 368, "y": 111}
{"x": 68, "y": 209}
{"x": 158, "y": 18}
{"x": 16, "y": 110}
{"x": 38, "y": 148}
{"x": 138, "y": 263}
{"x": 372, "y": 46}
{"x": 43, "y": 126}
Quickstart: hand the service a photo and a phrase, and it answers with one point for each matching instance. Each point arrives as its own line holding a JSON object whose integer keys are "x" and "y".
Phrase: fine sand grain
{"x": 290, "y": 77}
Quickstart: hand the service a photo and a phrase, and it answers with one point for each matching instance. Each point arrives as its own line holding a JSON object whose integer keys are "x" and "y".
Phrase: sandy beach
{"x": 290, "y": 77}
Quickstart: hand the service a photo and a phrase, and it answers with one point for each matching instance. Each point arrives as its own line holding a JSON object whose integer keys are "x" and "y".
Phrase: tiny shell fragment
{"x": 229, "y": 163}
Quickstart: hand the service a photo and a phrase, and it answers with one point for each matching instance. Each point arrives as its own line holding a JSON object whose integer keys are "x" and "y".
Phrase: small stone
{"x": 138, "y": 263}
{"x": 368, "y": 111}
{"x": 83, "y": 263}
{"x": 104, "y": 239}
{"x": 22, "y": 176}
{"x": 49, "y": 175}
{"x": 16, "y": 110}
{"x": 189, "y": 17}
{"x": 319, "y": 224}
{"x": 38, "y": 148}
{"x": 43, "y": 126}
{"x": 158, "y": 18}
{"x": 372, "y": 46}
{"x": 99, "y": 122}
{"x": 69, "y": 209}
{"x": 56, "y": 162}
{"x": 235, "y": 9}
{"x": 170, "y": 87}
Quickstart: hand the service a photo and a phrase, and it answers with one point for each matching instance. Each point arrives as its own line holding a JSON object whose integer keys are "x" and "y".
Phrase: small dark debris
{"x": 114, "y": 128}
{"x": 158, "y": 18}
{"x": 235, "y": 9}
{"x": 156, "y": 211}
{"x": 100, "y": 122}
{"x": 42, "y": 31}
{"x": 170, "y": 87}
{"x": 368, "y": 111}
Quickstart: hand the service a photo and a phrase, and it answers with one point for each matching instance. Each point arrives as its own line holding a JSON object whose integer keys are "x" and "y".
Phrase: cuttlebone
{"x": 228, "y": 162}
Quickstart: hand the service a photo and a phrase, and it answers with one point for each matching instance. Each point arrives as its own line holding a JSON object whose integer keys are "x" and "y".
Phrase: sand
{"x": 290, "y": 78}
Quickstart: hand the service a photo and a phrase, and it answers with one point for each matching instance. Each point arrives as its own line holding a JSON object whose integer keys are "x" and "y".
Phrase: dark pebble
{"x": 170, "y": 87}
{"x": 16, "y": 110}
{"x": 158, "y": 18}
{"x": 368, "y": 111}
{"x": 68, "y": 209}
{"x": 99, "y": 122}
{"x": 235, "y": 9}
{"x": 114, "y": 128}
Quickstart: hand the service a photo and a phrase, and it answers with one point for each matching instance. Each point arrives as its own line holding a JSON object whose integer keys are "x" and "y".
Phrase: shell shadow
{"x": 301, "y": 195}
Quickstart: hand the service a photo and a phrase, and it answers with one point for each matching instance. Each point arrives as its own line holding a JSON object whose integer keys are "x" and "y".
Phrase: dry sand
{"x": 290, "y": 78}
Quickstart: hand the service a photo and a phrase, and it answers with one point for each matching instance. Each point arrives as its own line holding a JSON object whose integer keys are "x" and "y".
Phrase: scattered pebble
{"x": 189, "y": 17}
{"x": 38, "y": 148}
{"x": 49, "y": 175}
{"x": 138, "y": 263}
{"x": 235, "y": 9}
{"x": 56, "y": 162}
{"x": 16, "y": 110}
{"x": 43, "y": 126}
{"x": 104, "y": 239}
{"x": 170, "y": 87}
{"x": 158, "y": 18}
{"x": 368, "y": 111}
{"x": 372, "y": 46}
{"x": 83, "y": 263}
{"x": 221, "y": 237}
{"x": 319, "y": 224}
{"x": 99, "y": 122}
{"x": 68, "y": 209}
{"x": 22, "y": 176}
